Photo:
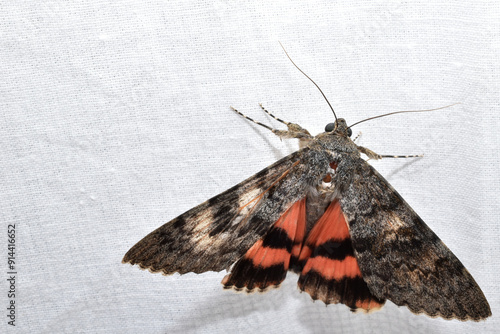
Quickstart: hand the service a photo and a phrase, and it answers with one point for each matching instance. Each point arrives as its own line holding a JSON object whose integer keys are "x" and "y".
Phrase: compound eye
{"x": 349, "y": 132}
{"x": 329, "y": 127}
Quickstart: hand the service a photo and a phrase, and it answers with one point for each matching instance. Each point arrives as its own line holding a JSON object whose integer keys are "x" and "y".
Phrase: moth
{"x": 326, "y": 214}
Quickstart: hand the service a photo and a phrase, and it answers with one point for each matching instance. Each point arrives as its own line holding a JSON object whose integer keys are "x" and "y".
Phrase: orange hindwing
{"x": 330, "y": 271}
{"x": 266, "y": 263}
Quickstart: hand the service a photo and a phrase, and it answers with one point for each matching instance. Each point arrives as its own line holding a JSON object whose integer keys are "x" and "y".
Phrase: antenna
{"x": 400, "y": 112}
{"x": 311, "y": 81}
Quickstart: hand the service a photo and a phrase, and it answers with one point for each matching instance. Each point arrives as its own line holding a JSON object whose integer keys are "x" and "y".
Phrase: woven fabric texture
{"x": 115, "y": 119}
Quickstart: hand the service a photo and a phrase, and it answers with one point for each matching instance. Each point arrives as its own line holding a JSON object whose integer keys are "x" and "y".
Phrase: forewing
{"x": 216, "y": 233}
{"x": 400, "y": 258}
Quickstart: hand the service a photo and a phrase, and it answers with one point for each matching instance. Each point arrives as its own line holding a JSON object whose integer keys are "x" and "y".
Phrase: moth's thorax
{"x": 337, "y": 148}
{"x": 334, "y": 142}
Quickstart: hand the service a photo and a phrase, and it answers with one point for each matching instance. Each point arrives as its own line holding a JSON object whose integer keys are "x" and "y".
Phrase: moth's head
{"x": 339, "y": 127}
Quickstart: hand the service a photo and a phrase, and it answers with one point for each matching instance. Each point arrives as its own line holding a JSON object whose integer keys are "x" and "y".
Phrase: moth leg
{"x": 276, "y": 118}
{"x": 294, "y": 130}
{"x": 403, "y": 156}
{"x": 372, "y": 155}
{"x": 252, "y": 120}
{"x": 357, "y": 136}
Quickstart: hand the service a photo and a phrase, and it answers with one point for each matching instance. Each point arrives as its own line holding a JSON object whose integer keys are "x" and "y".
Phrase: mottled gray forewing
{"x": 400, "y": 258}
{"x": 216, "y": 233}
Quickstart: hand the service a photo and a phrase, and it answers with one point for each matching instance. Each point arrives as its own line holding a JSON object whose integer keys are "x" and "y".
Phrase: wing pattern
{"x": 400, "y": 258}
{"x": 330, "y": 271}
{"x": 266, "y": 263}
{"x": 216, "y": 233}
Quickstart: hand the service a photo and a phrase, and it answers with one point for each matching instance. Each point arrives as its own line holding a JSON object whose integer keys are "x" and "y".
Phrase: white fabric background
{"x": 115, "y": 119}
